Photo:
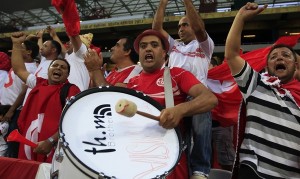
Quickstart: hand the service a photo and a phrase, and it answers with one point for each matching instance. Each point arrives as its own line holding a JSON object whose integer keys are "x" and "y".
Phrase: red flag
{"x": 70, "y": 15}
{"x": 226, "y": 110}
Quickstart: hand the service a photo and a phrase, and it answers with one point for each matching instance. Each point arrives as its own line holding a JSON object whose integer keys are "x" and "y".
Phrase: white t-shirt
{"x": 79, "y": 75}
{"x": 194, "y": 56}
{"x": 13, "y": 85}
{"x": 42, "y": 69}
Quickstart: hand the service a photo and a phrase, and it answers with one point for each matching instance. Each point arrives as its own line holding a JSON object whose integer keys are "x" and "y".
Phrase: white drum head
{"x": 103, "y": 141}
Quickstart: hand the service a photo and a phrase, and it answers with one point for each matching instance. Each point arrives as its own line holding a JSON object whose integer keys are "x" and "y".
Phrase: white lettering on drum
{"x": 104, "y": 123}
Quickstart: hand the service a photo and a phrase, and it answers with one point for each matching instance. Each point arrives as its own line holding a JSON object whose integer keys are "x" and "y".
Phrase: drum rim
{"x": 135, "y": 93}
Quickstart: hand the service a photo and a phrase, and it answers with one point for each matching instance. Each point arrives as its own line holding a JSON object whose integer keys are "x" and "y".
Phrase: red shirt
{"x": 152, "y": 84}
{"x": 123, "y": 75}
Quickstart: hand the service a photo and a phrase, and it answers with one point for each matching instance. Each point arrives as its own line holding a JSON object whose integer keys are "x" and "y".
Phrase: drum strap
{"x": 64, "y": 93}
{"x": 169, "y": 99}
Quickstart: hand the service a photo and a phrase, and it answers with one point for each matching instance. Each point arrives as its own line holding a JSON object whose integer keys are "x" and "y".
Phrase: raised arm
{"x": 39, "y": 35}
{"x": 17, "y": 60}
{"x": 158, "y": 20}
{"x": 55, "y": 37}
{"x": 233, "y": 41}
{"x": 195, "y": 21}
{"x": 76, "y": 42}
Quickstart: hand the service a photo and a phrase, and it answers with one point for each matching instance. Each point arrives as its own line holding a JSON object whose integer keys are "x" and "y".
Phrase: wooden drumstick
{"x": 129, "y": 109}
{"x": 150, "y": 116}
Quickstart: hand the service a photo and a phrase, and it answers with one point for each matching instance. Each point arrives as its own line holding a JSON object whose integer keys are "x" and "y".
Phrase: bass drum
{"x": 97, "y": 142}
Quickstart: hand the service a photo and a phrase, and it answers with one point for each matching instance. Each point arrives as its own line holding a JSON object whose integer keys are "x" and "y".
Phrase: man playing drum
{"x": 152, "y": 47}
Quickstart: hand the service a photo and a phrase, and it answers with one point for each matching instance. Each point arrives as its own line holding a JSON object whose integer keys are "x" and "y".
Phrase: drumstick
{"x": 129, "y": 109}
{"x": 148, "y": 115}
{"x": 17, "y": 137}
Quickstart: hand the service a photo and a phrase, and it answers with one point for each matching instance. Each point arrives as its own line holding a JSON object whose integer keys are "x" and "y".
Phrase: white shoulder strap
{"x": 169, "y": 98}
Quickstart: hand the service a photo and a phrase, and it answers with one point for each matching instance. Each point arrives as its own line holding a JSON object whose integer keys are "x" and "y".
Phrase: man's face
{"x": 151, "y": 53}
{"x": 281, "y": 63}
{"x": 117, "y": 51}
{"x": 58, "y": 72}
{"x": 185, "y": 32}
{"x": 46, "y": 49}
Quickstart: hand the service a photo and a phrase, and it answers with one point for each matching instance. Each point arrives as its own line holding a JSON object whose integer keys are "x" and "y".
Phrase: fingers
{"x": 104, "y": 67}
{"x": 88, "y": 53}
{"x": 167, "y": 120}
{"x": 18, "y": 37}
{"x": 168, "y": 124}
{"x": 263, "y": 8}
{"x": 40, "y": 33}
{"x": 91, "y": 52}
{"x": 254, "y": 6}
{"x": 44, "y": 147}
{"x": 38, "y": 148}
{"x": 17, "y": 34}
{"x": 31, "y": 36}
{"x": 92, "y": 61}
{"x": 250, "y": 5}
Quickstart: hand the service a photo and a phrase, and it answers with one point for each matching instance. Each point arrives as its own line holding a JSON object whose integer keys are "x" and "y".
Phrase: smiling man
{"x": 39, "y": 118}
{"x": 270, "y": 144}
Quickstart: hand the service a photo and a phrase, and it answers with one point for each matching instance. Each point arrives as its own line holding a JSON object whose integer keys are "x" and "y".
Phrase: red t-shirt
{"x": 123, "y": 75}
{"x": 152, "y": 85}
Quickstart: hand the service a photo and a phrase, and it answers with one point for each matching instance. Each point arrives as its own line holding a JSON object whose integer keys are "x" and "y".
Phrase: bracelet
{"x": 50, "y": 139}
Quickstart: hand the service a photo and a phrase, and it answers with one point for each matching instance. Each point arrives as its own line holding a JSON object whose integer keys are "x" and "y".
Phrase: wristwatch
{"x": 50, "y": 139}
